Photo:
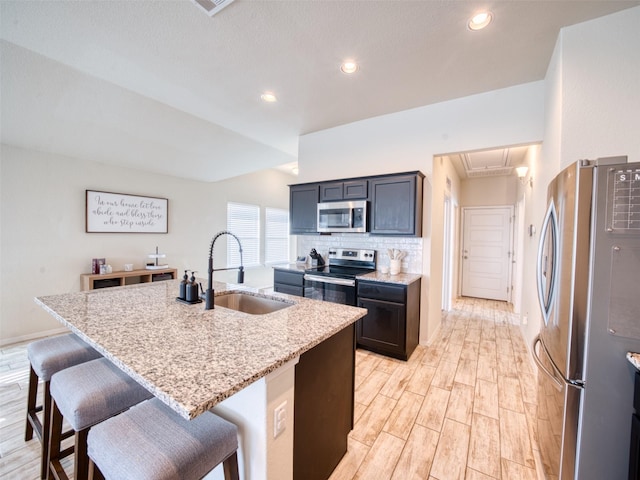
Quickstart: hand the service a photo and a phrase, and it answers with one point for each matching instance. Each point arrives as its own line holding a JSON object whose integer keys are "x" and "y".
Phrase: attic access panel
{"x": 211, "y": 7}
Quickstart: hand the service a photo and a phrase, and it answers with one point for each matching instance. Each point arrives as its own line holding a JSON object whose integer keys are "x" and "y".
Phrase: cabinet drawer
{"x": 382, "y": 291}
{"x": 288, "y": 289}
{"x": 289, "y": 278}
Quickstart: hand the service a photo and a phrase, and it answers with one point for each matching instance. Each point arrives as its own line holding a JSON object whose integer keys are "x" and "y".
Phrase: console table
{"x": 90, "y": 281}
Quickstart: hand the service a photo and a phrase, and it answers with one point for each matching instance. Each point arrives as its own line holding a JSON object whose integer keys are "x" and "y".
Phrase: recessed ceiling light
{"x": 480, "y": 20}
{"x": 269, "y": 97}
{"x": 349, "y": 67}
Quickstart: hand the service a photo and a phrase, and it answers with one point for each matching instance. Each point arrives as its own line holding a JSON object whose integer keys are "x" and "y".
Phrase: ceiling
{"x": 161, "y": 86}
{"x": 489, "y": 163}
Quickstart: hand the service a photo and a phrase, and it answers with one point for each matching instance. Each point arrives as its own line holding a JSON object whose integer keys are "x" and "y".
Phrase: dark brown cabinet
{"x": 324, "y": 406}
{"x": 395, "y": 202}
{"x": 343, "y": 190}
{"x": 288, "y": 281}
{"x": 392, "y": 324}
{"x": 396, "y": 205}
{"x": 303, "y": 209}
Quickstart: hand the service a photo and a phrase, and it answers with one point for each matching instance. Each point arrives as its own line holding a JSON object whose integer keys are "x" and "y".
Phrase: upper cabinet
{"x": 346, "y": 190}
{"x": 303, "y": 208}
{"x": 396, "y": 205}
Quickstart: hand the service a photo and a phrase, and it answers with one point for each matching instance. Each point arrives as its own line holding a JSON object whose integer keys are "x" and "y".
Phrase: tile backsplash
{"x": 412, "y": 263}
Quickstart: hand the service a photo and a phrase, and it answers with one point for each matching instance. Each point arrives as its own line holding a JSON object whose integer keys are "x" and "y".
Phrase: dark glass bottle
{"x": 183, "y": 286}
{"x": 192, "y": 289}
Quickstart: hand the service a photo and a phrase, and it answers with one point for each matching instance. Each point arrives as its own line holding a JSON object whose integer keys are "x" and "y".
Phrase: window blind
{"x": 276, "y": 236}
{"x": 243, "y": 221}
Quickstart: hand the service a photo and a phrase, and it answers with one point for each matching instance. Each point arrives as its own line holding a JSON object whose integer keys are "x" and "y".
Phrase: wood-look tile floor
{"x": 462, "y": 408}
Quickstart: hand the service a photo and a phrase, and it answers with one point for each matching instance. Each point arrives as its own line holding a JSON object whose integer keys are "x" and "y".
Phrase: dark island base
{"x": 324, "y": 404}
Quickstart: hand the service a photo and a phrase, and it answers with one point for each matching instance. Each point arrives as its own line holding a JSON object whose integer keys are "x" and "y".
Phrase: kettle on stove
{"x": 316, "y": 258}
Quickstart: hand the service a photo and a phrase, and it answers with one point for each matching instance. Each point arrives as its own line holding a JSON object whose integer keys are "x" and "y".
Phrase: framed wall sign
{"x": 108, "y": 212}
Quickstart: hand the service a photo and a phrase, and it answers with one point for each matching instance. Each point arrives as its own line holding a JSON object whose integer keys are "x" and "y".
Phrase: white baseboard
{"x": 33, "y": 336}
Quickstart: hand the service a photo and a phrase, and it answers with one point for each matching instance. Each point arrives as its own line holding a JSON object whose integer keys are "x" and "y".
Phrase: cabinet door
{"x": 303, "y": 209}
{"x": 331, "y": 191}
{"x": 394, "y": 208}
{"x": 383, "y": 328}
{"x": 289, "y": 282}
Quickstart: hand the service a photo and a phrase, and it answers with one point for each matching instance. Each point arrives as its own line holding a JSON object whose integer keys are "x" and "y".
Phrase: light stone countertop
{"x": 190, "y": 358}
{"x": 400, "y": 278}
{"x": 634, "y": 359}
{"x": 292, "y": 266}
{"x": 377, "y": 276}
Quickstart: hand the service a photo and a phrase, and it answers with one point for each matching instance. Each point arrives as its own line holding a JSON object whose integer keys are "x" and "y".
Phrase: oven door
{"x": 330, "y": 289}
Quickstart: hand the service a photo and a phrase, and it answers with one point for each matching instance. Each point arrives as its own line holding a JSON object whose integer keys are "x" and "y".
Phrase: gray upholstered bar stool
{"x": 46, "y": 357}
{"x": 152, "y": 442}
{"x": 85, "y": 395}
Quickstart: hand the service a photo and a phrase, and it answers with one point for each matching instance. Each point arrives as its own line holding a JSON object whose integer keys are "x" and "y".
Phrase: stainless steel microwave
{"x": 342, "y": 216}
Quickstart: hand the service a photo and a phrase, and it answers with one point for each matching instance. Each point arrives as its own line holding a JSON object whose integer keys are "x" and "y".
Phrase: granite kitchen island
{"x": 242, "y": 366}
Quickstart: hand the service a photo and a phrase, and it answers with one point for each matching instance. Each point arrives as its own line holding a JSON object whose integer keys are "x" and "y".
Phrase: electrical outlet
{"x": 279, "y": 419}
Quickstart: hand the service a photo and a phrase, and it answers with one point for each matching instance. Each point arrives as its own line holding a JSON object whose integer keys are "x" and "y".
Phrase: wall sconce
{"x": 521, "y": 172}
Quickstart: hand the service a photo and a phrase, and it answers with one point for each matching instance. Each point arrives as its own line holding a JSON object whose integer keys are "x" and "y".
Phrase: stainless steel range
{"x": 336, "y": 281}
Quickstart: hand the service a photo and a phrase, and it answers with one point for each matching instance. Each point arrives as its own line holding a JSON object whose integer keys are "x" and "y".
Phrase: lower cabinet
{"x": 392, "y": 324}
{"x": 288, "y": 281}
{"x": 324, "y": 406}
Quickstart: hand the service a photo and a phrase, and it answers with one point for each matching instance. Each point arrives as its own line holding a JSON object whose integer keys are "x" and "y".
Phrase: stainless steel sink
{"x": 251, "y": 304}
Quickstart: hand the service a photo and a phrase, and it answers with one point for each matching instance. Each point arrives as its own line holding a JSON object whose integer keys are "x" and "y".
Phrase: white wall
{"x": 592, "y": 100}
{"x": 601, "y": 88}
{"x": 409, "y": 140}
{"x": 44, "y": 247}
{"x": 489, "y": 191}
{"x": 442, "y": 169}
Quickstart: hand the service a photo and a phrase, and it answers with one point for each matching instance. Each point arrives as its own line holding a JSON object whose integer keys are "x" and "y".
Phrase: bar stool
{"x": 85, "y": 395}
{"x": 152, "y": 442}
{"x": 46, "y": 357}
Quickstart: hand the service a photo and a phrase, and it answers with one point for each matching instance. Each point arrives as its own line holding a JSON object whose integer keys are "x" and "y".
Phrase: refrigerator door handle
{"x": 546, "y": 262}
{"x": 559, "y": 385}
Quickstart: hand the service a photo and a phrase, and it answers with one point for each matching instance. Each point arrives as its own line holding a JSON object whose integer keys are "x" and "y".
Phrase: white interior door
{"x": 486, "y": 252}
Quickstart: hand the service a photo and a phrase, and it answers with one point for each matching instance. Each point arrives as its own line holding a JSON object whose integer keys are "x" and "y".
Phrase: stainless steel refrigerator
{"x": 589, "y": 290}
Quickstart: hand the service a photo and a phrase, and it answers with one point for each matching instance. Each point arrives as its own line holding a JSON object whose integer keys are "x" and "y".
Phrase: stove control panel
{"x": 355, "y": 254}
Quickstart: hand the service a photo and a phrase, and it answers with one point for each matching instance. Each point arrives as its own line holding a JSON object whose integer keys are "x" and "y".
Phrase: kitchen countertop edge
{"x": 400, "y": 278}
{"x": 634, "y": 359}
